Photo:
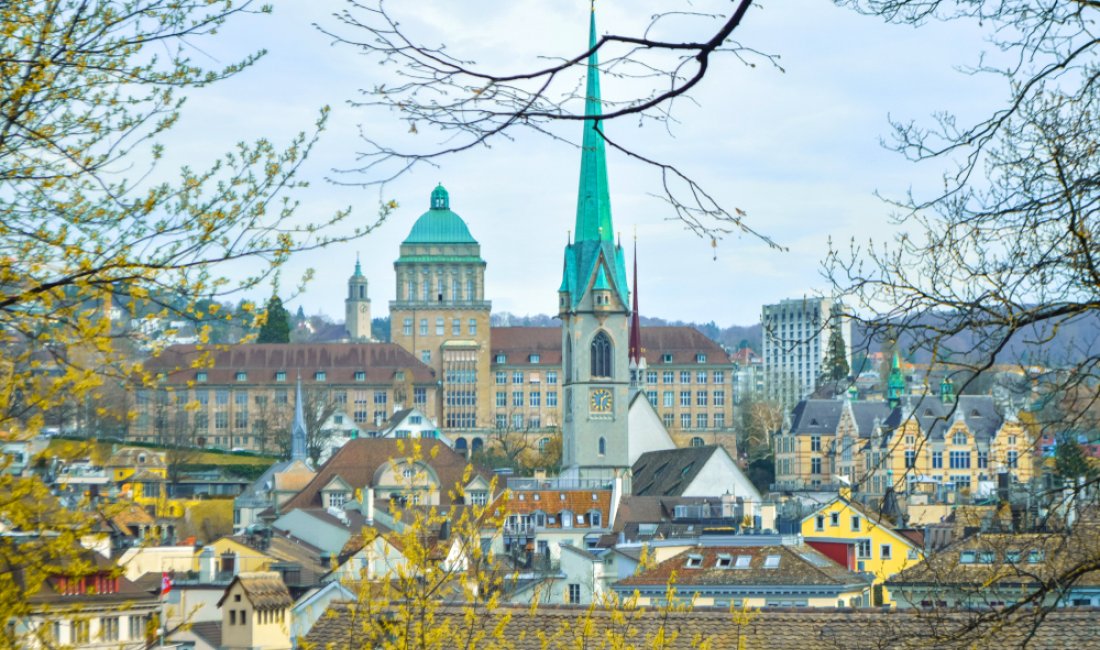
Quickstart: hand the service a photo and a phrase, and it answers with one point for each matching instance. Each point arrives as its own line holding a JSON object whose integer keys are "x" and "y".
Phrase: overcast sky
{"x": 799, "y": 150}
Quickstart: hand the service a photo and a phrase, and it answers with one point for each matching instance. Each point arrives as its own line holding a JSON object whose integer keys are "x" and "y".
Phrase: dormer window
{"x": 500, "y": 358}
{"x": 360, "y": 375}
{"x": 700, "y": 358}
{"x": 200, "y": 376}
{"x": 534, "y": 358}
{"x": 280, "y": 375}
{"x": 666, "y": 358}
{"x": 320, "y": 375}
{"x": 242, "y": 376}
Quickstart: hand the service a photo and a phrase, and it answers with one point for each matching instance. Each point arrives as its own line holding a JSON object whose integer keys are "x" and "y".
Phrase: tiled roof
{"x": 265, "y": 589}
{"x": 209, "y": 631}
{"x": 798, "y": 566}
{"x": 359, "y": 459}
{"x": 1007, "y": 559}
{"x": 340, "y": 361}
{"x": 553, "y": 502}
{"x": 562, "y": 628}
{"x": 683, "y": 343}
{"x": 669, "y": 472}
{"x": 816, "y": 417}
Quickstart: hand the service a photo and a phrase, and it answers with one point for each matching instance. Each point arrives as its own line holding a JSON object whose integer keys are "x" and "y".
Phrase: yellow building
{"x": 938, "y": 445}
{"x": 851, "y": 534}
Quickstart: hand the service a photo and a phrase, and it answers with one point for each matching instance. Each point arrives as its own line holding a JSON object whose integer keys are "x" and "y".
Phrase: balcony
{"x": 524, "y": 483}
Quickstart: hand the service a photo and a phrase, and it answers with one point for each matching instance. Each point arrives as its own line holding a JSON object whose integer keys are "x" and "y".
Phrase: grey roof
{"x": 256, "y": 494}
{"x": 669, "y": 472}
{"x": 822, "y": 416}
{"x": 935, "y": 417}
{"x": 209, "y": 631}
{"x": 865, "y": 414}
{"x": 816, "y": 417}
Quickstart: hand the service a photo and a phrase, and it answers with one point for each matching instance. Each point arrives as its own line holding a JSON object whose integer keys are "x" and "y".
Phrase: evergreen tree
{"x": 277, "y": 327}
{"x": 836, "y": 357}
{"x": 1070, "y": 461}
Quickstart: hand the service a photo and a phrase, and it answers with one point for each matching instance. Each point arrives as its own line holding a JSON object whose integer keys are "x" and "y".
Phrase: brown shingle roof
{"x": 683, "y": 343}
{"x": 358, "y": 460}
{"x": 340, "y": 361}
{"x": 798, "y": 566}
{"x": 560, "y": 628}
{"x": 265, "y": 590}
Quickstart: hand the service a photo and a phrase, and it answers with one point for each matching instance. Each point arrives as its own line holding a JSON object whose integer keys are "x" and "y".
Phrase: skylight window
{"x": 743, "y": 561}
{"x": 771, "y": 562}
{"x": 694, "y": 561}
{"x": 725, "y": 561}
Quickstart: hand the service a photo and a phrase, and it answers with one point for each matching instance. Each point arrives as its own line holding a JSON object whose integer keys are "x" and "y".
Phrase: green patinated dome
{"x": 439, "y": 225}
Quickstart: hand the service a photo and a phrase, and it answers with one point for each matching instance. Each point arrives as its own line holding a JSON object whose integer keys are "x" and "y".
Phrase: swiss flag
{"x": 165, "y": 583}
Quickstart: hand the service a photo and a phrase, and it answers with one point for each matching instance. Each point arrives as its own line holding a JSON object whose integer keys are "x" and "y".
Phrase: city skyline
{"x": 801, "y": 154}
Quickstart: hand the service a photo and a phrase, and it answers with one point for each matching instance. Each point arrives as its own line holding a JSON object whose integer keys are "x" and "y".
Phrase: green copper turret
{"x": 593, "y": 247}
{"x": 895, "y": 385}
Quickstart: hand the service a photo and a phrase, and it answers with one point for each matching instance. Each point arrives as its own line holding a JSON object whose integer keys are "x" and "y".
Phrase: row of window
{"x": 440, "y": 326}
{"x": 425, "y": 286}
{"x": 518, "y": 377}
{"x": 702, "y": 398}
{"x": 533, "y": 399}
{"x": 702, "y": 421}
{"x": 110, "y": 629}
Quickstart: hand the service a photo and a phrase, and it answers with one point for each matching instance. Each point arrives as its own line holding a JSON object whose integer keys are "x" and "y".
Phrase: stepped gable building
{"x": 244, "y": 396}
{"x": 909, "y": 444}
{"x": 441, "y": 314}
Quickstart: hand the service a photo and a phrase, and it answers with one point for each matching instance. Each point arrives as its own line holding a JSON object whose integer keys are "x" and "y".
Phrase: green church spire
{"x": 593, "y": 255}
{"x": 593, "y": 199}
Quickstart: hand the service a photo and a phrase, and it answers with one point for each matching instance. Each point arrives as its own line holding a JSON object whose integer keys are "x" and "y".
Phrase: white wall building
{"x": 796, "y": 340}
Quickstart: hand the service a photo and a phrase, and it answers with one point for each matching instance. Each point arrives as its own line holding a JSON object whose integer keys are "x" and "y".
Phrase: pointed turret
{"x": 637, "y": 355}
{"x": 298, "y": 445}
{"x": 895, "y": 385}
{"x": 593, "y": 251}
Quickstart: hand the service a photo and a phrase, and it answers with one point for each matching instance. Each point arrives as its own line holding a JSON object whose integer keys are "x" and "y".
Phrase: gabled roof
{"x": 875, "y": 518}
{"x": 936, "y": 417}
{"x": 556, "y": 628}
{"x": 264, "y": 589}
{"x": 340, "y": 361}
{"x": 798, "y": 566}
{"x": 816, "y": 417}
{"x": 669, "y": 472}
{"x": 358, "y": 460}
{"x": 681, "y": 343}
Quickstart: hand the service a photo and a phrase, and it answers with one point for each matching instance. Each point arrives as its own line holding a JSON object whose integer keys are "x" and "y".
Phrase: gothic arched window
{"x": 601, "y": 355}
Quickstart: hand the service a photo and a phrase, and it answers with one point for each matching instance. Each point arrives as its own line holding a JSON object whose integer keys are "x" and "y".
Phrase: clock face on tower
{"x": 600, "y": 400}
{"x": 363, "y": 309}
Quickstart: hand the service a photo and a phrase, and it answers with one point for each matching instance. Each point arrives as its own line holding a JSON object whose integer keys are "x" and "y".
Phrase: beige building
{"x": 243, "y": 396}
{"x": 256, "y": 612}
{"x": 441, "y": 315}
{"x": 688, "y": 380}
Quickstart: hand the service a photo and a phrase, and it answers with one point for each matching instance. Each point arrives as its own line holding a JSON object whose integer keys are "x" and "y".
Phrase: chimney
{"x": 616, "y": 496}
{"x": 368, "y": 511}
{"x": 208, "y": 565}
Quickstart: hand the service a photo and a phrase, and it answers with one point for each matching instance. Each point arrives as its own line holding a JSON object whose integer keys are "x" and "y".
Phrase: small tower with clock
{"x": 357, "y": 306}
{"x": 593, "y": 304}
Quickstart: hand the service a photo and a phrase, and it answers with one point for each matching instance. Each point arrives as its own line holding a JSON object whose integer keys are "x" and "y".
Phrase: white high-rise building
{"x": 796, "y": 342}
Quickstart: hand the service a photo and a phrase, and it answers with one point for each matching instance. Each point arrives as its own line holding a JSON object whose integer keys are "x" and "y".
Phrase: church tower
{"x": 593, "y": 304}
{"x": 357, "y": 306}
